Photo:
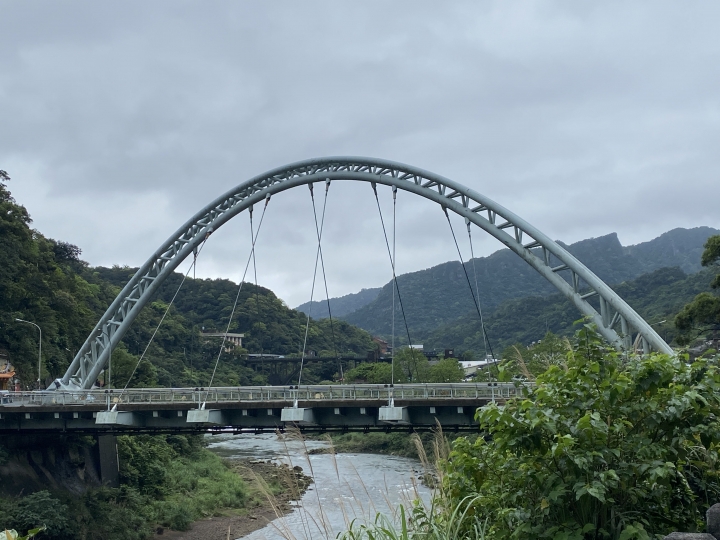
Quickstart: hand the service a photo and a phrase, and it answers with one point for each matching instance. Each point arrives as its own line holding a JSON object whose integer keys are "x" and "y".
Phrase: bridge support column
{"x": 297, "y": 415}
{"x": 392, "y": 414}
{"x": 206, "y": 416}
{"x": 124, "y": 418}
{"x": 108, "y": 457}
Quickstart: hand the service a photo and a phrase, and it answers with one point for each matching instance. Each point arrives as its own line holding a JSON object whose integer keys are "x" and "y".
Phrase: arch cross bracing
{"x": 615, "y": 319}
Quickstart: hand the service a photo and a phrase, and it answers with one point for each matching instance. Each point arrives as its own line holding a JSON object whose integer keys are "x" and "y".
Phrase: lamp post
{"x": 39, "y": 348}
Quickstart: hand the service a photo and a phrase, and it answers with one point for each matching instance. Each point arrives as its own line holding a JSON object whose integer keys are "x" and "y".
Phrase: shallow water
{"x": 347, "y": 486}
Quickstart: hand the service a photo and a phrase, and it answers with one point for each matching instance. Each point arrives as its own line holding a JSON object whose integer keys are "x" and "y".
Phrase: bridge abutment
{"x": 34, "y": 462}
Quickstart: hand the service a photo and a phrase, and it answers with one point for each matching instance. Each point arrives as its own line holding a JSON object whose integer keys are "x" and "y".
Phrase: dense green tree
{"x": 409, "y": 366}
{"x": 166, "y": 480}
{"x": 446, "y": 370}
{"x": 40, "y": 282}
{"x": 601, "y": 448}
{"x": 703, "y": 313}
{"x": 124, "y": 365}
{"x": 41, "y": 509}
{"x": 413, "y": 364}
{"x": 374, "y": 373}
{"x": 532, "y": 360}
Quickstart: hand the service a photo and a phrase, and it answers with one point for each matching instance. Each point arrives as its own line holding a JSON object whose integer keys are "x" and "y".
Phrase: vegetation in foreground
{"x": 166, "y": 481}
{"x": 604, "y": 447}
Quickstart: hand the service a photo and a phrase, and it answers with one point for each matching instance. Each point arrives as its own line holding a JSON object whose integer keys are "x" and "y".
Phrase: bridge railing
{"x": 319, "y": 393}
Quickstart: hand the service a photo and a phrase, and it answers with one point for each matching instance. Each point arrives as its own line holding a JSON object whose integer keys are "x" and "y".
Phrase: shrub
{"x": 604, "y": 448}
{"x": 39, "y": 509}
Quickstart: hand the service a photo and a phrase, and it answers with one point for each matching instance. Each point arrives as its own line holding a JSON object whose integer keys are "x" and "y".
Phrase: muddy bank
{"x": 273, "y": 490}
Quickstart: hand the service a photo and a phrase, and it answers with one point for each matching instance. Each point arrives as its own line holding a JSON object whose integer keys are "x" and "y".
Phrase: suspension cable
{"x": 477, "y": 289}
{"x": 312, "y": 290}
{"x": 467, "y": 277}
{"x": 392, "y": 264}
{"x": 257, "y": 289}
{"x": 237, "y": 298}
{"x": 195, "y": 254}
{"x": 167, "y": 310}
{"x": 392, "y": 354}
{"x": 322, "y": 265}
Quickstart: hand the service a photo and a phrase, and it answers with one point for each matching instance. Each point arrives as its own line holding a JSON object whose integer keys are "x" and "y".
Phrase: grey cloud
{"x": 582, "y": 118}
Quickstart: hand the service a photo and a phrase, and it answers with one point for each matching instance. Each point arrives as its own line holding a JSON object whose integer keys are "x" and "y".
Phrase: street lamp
{"x": 39, "y": 348}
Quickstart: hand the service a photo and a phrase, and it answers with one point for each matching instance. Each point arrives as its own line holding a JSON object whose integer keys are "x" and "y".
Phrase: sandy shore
{"x": 287, "y": 484}
{"x": 223, "y": 527}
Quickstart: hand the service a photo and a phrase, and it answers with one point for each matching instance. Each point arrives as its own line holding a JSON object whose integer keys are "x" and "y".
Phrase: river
{"x": 346, "y": 486}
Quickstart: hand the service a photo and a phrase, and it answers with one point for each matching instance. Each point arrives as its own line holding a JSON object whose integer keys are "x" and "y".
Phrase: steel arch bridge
{"x": 615, "y": 320}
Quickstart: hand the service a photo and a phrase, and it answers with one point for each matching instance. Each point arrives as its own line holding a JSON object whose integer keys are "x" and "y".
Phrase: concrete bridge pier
{"x": 109, "y": 464}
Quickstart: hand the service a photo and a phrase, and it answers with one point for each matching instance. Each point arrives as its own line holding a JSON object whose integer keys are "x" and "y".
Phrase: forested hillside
{"x": 44, "y": 281}
{"x": 657, "y": 296}
{"x": 439, "y": 295}
{"x": 268, "y": 324}
{"x": 41, "y": 281}
{"x": 340, "y": 306}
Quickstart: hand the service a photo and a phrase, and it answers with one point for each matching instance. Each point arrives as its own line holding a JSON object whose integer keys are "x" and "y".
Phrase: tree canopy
{"x": 601, "y": 448}
{"x": 530, "y": 361}
{"x": 703, "y": 313}
{"x": 41, "y": 281}
{"x": 409, "y": 366}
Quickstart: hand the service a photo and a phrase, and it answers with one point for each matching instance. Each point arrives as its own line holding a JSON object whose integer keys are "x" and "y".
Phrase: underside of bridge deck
{"x": 363, "y": 415}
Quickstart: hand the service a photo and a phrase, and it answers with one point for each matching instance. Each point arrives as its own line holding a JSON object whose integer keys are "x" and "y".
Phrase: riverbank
{"x": 273, "y": 489}
{"x": 391, "y": 444}
{"x": 347, "y": 486}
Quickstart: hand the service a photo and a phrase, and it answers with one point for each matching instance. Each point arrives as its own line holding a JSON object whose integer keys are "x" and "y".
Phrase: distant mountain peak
{"x": 439, "y": 294}
{"x": 341, "y": 306}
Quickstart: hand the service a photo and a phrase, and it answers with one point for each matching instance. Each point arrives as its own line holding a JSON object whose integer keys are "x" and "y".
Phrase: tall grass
{"x": 197, "y": 488}
{"x": 412, "y": 519}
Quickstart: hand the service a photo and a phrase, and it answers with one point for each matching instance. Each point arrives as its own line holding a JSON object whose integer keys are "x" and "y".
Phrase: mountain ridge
{"x": 437, "y": 295}
{"x": 341, "y": 305}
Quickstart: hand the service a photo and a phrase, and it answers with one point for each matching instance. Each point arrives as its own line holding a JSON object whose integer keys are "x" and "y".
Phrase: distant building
{"x": 382, "y": 345}
{"x": 472, "y": 366}
{"x": 7, "y": 372}
{"x": 235, "y": 339}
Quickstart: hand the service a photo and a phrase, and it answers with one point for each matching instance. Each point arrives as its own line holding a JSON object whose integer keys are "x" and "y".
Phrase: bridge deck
{"x": 336, "y": 407}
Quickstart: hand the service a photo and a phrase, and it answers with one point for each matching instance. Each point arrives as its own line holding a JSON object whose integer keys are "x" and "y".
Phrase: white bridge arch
{"x": 615, "y": 320}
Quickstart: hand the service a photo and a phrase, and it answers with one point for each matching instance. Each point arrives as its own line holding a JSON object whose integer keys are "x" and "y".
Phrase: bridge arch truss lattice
{"x": 615, "y": 319}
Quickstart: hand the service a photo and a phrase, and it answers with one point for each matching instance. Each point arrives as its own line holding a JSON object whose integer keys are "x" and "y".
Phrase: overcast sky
{"x": 119, "y": 120}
